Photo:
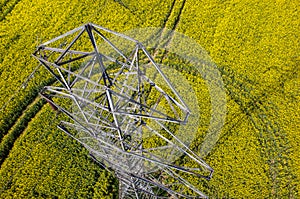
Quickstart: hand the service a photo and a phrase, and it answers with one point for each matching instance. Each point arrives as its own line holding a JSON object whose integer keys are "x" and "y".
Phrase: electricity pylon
{"x": 123, "y": 109}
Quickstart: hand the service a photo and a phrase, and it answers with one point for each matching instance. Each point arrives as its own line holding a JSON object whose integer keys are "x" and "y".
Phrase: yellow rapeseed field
{"x": 255, "y": 46}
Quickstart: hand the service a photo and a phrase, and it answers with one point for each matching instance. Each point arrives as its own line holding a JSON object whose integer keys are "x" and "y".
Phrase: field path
{"x": 20, "y": 125}
{"x": 274, "y": 144}
{"x": 165, "y": 35}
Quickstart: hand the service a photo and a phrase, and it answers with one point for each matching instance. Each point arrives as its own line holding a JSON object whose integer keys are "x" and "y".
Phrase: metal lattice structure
{"x": 124, "y": 110}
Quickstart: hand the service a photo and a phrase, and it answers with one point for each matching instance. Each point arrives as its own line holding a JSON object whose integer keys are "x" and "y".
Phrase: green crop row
{"x": 9, "y": 139}
{"x": 255, "y": 46}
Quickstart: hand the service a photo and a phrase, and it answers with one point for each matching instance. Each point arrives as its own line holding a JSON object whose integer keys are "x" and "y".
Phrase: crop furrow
{"x": 174, "y": 24}
{"x": 169, "y": 14}
{"x": 275, "y": 147}
{"x": 21, "y": 124}
{"x": 274, "y": 144}
{"x": 158, "y": 35}
{"x": 18, "y": 107}
{"x": 2, "y": 4}
{"x": 170, "y": 34}
{"x": 7, "y": 8}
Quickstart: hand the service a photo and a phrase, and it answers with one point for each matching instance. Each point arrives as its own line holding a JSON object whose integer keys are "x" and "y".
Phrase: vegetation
{"x": 255, "y": 45}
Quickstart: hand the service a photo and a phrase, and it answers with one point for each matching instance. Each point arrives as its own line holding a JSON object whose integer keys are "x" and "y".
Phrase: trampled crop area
{"x": 253, "y": 43}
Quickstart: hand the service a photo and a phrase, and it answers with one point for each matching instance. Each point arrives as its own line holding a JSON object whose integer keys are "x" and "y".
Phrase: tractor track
{"x": 274, "y": 143}
{"x": 257, "y": 110}
{"x": 6, "y": 8}
{"x": 164, "y": 35}
{"x": 157, "y": 36}
{"x": 19, "y": 123}
{"x": 17, "y": 129}
{"x": 170, "y": 34}
{"x": 167, "y": 32}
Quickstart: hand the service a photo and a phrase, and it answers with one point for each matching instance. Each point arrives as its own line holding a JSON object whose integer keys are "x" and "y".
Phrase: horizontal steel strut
{"x": 117, "y": 107}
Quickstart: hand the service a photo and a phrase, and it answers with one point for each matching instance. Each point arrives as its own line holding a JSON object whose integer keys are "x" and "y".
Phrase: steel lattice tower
{"x": 123, "y": 109}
